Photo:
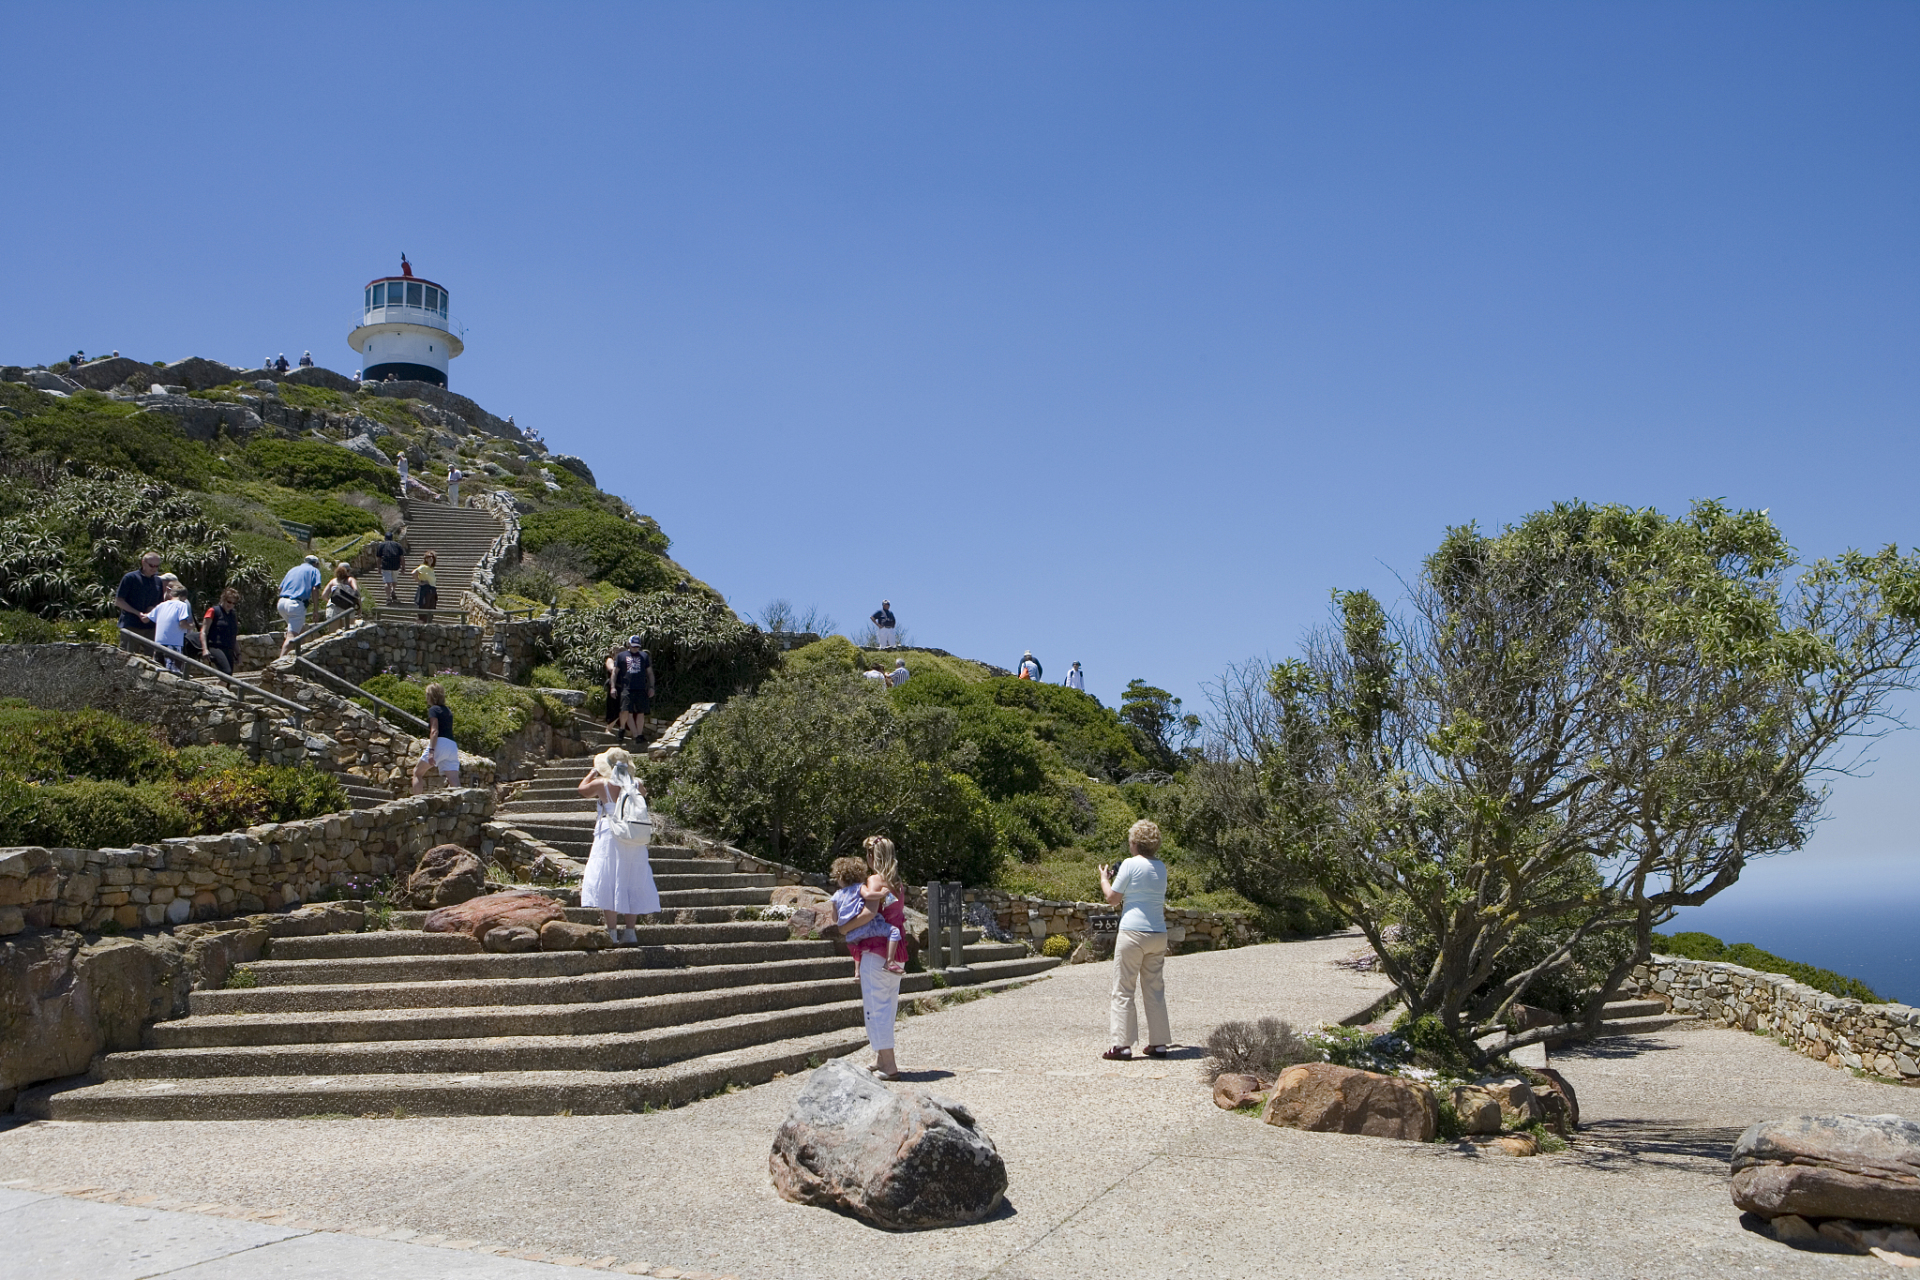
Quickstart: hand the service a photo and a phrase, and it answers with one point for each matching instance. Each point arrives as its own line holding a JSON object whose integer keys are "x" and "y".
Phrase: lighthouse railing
{"x": 412, "y": 315}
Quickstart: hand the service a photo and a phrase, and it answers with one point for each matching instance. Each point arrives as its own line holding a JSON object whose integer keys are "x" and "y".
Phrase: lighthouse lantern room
{"x": 405, "y": 331}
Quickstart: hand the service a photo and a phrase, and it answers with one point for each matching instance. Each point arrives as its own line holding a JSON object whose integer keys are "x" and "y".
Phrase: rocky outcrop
{"x": 1477, "y": 1110}
{"x": 901, "y": 1160}
{"x": 63, "y": 999}
{"x": 565, "y": 935}
{"x": 204, "y": 420}
{"x": 1856, "y": 1167}
{"x": 447, "y": 874}
{"x": 1323, "y": 1098}
{"x": 1231, "y": 1091}
{"x": 364, "y": 446}
{"x": 104, "y": 375}
{"x": 480, "y": 916}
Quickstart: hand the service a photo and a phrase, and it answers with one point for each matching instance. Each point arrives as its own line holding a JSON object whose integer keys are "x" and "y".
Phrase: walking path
{"x": 1123, "y": 1169}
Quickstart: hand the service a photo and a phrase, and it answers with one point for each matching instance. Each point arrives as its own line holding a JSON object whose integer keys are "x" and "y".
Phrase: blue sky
{"x": 1120, "y": 332}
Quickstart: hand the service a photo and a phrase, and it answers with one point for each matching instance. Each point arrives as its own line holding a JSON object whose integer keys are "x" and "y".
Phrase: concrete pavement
{"x": 1121, "y": 1168}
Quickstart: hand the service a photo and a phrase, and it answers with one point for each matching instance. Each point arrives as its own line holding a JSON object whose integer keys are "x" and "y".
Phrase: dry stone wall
{"x": 263, "y": 868}
{"x": 401, "y": 648}
{"x": 75, "y": 677}
{"x": 1881, "y": 1038}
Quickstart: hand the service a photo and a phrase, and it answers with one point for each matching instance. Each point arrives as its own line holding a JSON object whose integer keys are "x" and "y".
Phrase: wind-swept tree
{"x": 1578, "y": 725}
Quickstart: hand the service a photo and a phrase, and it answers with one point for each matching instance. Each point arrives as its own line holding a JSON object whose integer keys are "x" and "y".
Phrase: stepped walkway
{"x": 458, "y": 536}
{"x": 1121, "y": 1168}
{"x": 712, "y": 996}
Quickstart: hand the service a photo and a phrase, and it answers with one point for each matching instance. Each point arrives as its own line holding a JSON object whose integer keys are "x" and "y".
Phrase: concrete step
{"x": 1642, "y": 1025}
{"x": 527, "y": 1093}
{"x": 625, "y": 973}
{"x": 375, "y": 971}
{"x": 343, "y": 946}
{"x": 1618, "y": 1009}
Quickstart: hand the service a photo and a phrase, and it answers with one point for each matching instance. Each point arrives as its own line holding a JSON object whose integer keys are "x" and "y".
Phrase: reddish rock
{"x": 1323, "y": 1098}
{"x": 1565, "y": 1090}
{"x": 1233, "y": 1091}
{"x": 446, "y": 874}
{"x": 564, "y": 935}
{"x": 1861, "y": 1167}
{"x": 476, "y": 916}
{"x": 1478, "y": 1111}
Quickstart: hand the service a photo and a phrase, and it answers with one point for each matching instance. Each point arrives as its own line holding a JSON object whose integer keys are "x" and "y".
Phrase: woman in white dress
{"x": 619, "y": 879}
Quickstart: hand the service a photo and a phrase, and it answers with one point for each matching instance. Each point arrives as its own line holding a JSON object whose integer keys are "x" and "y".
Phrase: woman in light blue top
{"x": 1139, "y": 888}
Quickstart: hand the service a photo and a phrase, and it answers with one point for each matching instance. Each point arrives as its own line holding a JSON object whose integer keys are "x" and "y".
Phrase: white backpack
{"x": 627, "y": 818}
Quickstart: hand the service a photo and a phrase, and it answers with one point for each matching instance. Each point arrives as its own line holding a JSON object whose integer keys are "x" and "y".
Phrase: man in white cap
{"x": 882, "y": 619}
{"x": 296, "y": 589}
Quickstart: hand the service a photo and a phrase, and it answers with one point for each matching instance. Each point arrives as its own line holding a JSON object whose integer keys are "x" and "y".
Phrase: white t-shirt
{"x": 1142, "y": 886}
{"x": 1075, "y": 680}
{"x": 169, "y": 622}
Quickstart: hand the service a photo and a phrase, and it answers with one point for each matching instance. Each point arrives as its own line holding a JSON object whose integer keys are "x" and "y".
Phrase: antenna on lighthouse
{"x": 405, "y": 332}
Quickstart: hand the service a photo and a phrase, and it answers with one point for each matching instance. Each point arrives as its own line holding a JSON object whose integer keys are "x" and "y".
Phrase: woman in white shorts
{"x": 440, "y": 753}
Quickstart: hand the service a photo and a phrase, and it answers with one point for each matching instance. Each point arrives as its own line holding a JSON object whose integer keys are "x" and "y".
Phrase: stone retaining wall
{"x": 1041, "y": 918}
{"x": 263, "y": 868}
{"x": 402, "y": 648}
{"x": 1881, "y": 1038}
{"x": 76, "y": 677}
{"x": 359, "y": 742}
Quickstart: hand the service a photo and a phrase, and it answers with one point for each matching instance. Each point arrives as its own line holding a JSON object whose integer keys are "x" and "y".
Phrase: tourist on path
{"x": 879, "y": 990}
{"x": 634, "y": 669}
{"x": 392, "y": 556}
{"x": 1075, "y": 679}
{"x": 306, "y": 359}
{"x": 343, "y": 593}
{"x": 426, "y": 596}
{"x": 296, "y": 589}
{"x": 619, "y": 877}
{"x": 900, "y": 673}
{"x": 1139, "y": 887}
{"x": 220, "y": 632}
{"x": 189, "y": 638}
{"x": 612, "y": 668}
{"x": 1029, "y": 666}
{"x": 139, "y": 592}
{"x": 875, "y": 673}
{"x": 170, "y": 619}
{"x": 281, "y": 365}
{"x": 883, "y": 626}
{"x": 440, "y": 753}
{"x": 454, "y": 476}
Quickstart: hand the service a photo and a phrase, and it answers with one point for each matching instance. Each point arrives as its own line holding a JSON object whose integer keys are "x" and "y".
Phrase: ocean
{"x": 1855, "y": 915}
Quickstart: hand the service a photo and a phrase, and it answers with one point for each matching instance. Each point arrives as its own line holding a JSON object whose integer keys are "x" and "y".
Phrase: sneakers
{"x": 632, "y": 936}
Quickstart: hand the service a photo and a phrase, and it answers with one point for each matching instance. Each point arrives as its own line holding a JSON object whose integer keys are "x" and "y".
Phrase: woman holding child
{"x": 870, "y": 910}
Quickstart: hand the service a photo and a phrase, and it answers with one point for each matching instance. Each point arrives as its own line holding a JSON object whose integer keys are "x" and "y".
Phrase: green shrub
{"x": 52, "y": 746}
{"x": 90, "y": 430}
{"x": 485, "y": 712}
{"x": 1704, "y": 946}
{"x": 317, "y": 465}
{"x": 549, "y": 676}
{"x": 295, "y": 793}
{"x": 1057, "y": 945}
{"x": 224, "y": 800}
{"x": 701, "y": 651}
{"x": 88, "y": 814}
{"x": 325, "y": 398}
{"x": 20, "y": 627}
{"x": 622, "y": 552}
{"x": 330, "y": 517}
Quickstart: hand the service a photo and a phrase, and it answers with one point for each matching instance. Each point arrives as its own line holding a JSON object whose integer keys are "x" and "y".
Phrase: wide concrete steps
{"x": 527, "y": 1093}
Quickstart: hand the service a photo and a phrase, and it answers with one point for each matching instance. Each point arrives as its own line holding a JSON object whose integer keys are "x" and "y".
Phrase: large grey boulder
{"x": 901, "y": 1160}
{"x": 1859, "y": 1167}
{"x": 42, "y": 380}
{"x": 367, "y": 449}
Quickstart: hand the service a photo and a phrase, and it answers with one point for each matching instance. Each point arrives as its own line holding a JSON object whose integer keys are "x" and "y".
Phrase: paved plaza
{"x": 1124, "y": 1169}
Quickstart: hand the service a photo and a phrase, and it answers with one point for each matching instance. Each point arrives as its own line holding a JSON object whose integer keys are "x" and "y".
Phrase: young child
{"x": 880, "y": 898}
{"x": 170, "y": 618}
{"x": 862, "y": 928}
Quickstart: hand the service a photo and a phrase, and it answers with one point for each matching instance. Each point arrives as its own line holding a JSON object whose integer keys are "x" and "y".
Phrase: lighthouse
{"x": 404, "y": 330}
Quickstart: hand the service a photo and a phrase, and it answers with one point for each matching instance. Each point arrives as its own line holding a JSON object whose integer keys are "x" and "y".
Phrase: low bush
{"x": 317, "y": 465}
{"x": 1057, "y": 945}
{"x": 20, "y": 627}
{"x": 485, "y": 712}
{"x": 701, "y": 652}
{"x": 53, "y": 746}
{"x": 1263, "y": 1049}
{"x": 330, "y": 517}
{"x": 90, "y": 430}
{"x": 1704, "y": 946}
{"x": 623, "y": 552}
{"x": 88, "y": 814}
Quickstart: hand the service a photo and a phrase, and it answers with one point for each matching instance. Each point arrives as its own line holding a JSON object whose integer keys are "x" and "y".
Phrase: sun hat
{"x": 611, "y": 759}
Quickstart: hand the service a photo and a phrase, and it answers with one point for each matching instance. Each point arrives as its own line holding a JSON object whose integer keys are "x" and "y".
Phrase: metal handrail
{"x": 337, "y": 622}
{"x": 353, "y": 690}
{"x": 295, "y": 710}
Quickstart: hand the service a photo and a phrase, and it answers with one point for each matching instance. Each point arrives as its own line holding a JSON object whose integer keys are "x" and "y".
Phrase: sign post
{"x": 952, "y": 910}
{"x": 934, "y": 894}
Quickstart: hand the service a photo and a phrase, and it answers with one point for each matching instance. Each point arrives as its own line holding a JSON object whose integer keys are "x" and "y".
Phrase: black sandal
{"x": 1119, "y": 1053}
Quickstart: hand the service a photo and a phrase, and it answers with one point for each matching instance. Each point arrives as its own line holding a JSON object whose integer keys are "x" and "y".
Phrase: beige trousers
{"x": 1140, "y": 957}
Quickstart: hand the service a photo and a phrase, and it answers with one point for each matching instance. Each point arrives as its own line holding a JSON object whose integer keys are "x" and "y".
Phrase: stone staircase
{"x": 403, "y": 1022}
{"x": 459, "y": 536}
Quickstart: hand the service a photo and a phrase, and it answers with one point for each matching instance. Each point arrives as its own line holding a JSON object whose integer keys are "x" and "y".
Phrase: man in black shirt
{"x": 883, "y": 624}
{"x": 139, "y": 592}
{"x": 392, "y": 557}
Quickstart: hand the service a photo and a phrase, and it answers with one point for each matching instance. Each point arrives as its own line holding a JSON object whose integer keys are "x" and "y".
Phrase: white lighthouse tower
{"x": 405, "y": 331}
